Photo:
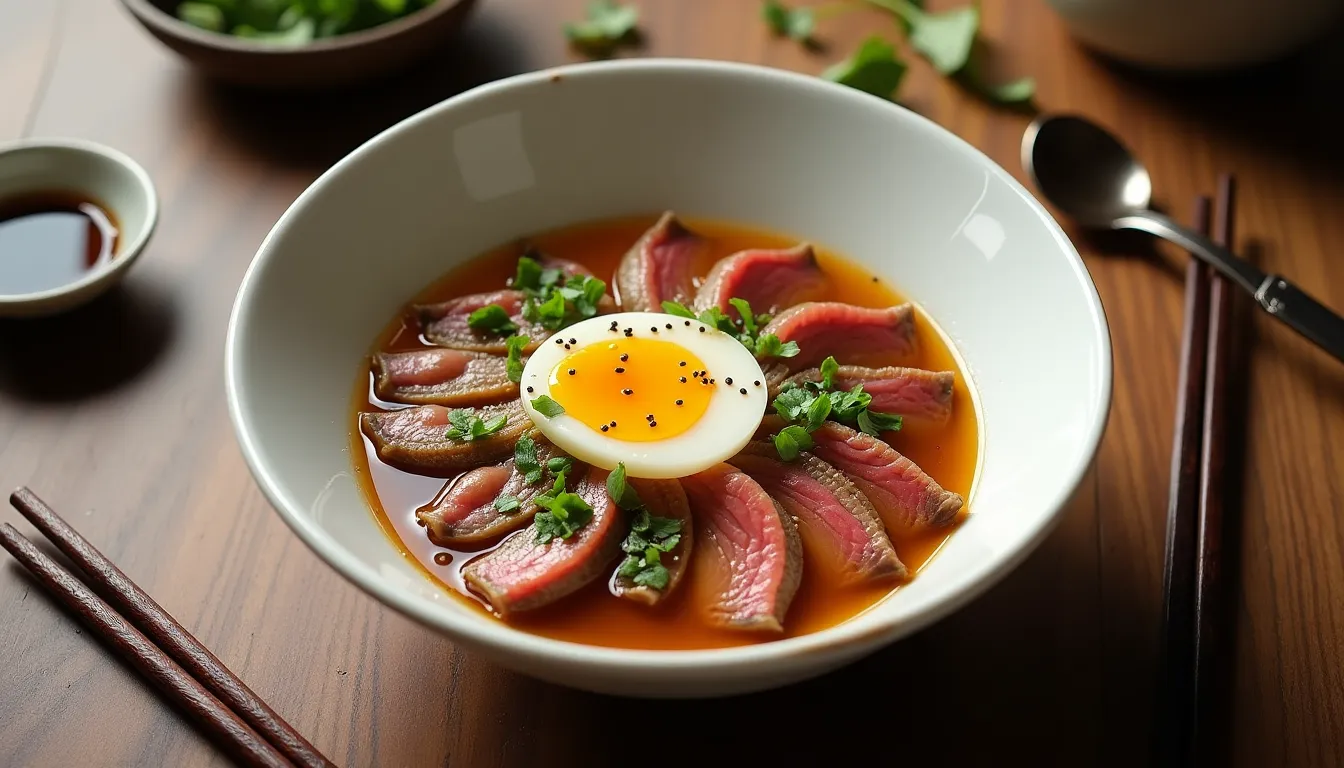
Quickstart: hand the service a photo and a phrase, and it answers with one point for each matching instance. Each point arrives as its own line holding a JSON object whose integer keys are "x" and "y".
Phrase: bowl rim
{"x": 129, "y": 251}
{"x": 846, "y": 638}
{"x": 161, "y": 21}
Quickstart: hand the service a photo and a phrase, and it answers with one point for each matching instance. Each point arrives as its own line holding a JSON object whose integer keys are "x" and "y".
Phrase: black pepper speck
{"x": 688, "y": 322}
{"x": 683, "y": 379}
{"x": 627, "y": 391}
{"x": 605, "y": 427}
{"x": 702, "y": 329}
{"x": 756, "y": 383}
{"x": 682, "y": 363}
{"x": 678, "y": 402}
{"x": 653, "y": 328}
{"x": 624, "y": 357}
{"x": 529, "y": 389}
{"x": 728, "y": 381}
{"x": 669, "y": 326}
{"x": 743, "y": 390}
{"x": 653, "y": 423}
{"x": 620, "y": 370}
{"x": 571, "y": 371}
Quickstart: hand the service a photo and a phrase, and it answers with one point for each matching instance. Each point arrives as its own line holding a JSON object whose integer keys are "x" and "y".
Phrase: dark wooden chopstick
{"x": 135, "y": 649}
{"x": 147, "y": 615}
{"x": 1210, "y": 604}
{"x": 1174, "y": 705}
{"x": 170, "y": 637}
{"x": 1193, "y": 599}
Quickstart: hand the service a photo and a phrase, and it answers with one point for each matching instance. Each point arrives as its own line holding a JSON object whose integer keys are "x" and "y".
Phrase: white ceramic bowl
{"x": 103, "y": 174}
{"x": 790, "y": 153}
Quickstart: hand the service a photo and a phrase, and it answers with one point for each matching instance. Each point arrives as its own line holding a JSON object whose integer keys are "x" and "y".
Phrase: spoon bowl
{"x": 1084, "y": 170}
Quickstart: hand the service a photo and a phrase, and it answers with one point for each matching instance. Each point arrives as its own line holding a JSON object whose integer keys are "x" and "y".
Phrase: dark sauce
{"x": 51, "y": 239}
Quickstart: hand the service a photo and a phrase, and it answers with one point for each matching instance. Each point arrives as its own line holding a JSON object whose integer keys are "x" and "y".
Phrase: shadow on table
{"x": 89, "y": 350}
{"x": 314, "y": 130}
{"x": 1286, "y": 108}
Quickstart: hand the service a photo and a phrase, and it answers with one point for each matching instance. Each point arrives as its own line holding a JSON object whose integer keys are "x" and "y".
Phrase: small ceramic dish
{"x": 93, "y": 172}
{"x": 325, "y": 63}
{"x": 907, "y": 200}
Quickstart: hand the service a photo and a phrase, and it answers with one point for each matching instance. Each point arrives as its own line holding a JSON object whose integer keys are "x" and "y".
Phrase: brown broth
{"x": 51, "y": 239}
{"x": 593, "y": 616}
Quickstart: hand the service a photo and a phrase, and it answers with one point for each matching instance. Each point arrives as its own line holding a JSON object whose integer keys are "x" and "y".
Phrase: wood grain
{"x": 1055, "y": 666}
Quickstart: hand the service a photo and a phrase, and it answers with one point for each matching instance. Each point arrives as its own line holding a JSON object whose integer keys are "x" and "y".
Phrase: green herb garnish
{"x": 792, "y": 440}
{"x": 514, "y": 363}
{"x": 557, "y": 464}
{"x": 622, "y": 492}
{"x": 547, "y": 407}
{"x": 525, "y": 460}
{"x": 745, "y": 329}
{"x": 467, "y": 426}
{"x": 552, "y": 300}
{"x": 507, "y": 503}
{"x": 565, "y": 513}
{"x": 491, "y": 318}
{"x": 649, "y": 536}
{"x": 292, "y": 22}
{"x": 807, "y": 407}
{"x": 606, "y": 27}
{"x": 874, "y": 68}
{"x": 796, "y": 23}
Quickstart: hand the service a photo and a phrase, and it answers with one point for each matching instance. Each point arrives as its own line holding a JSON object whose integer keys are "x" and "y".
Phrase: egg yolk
{"x": 634, "y": 389}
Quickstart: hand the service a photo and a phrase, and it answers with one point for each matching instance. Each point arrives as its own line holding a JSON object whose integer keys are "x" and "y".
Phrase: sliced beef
{"x": 830, "y": 328}
{"x": 445, "y": 324}
{"x": 835, "y": 520}
{"x": 903, "y": 494}
{"x": 662, "y": 498}
{"x": 912, "y": 392}
{"x": 768, "y": 279}
{"x": 416, "y": 439}
{"x": 520, "y": 574}
{"x": 451, "y": 377}
{"x": 746, "y": 546}
{"x": 658, "y": 267}
{"x": 465, "y": 512}
{"x": 564, "y": 265}
{"x": 776, "y": 373}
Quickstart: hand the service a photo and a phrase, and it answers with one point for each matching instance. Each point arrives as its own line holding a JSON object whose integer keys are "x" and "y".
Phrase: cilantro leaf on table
{"x": 944, "y": 38}
{"x": 874, "y": 68}
{"x": 795, "y": 23}
{"x": 607, "y": 25}
{"x": 491, "y": 318}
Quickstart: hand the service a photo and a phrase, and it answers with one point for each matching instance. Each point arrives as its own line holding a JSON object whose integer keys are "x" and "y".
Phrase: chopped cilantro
{"x": 565, "y": 513}
{"x": 876, "y": 422}
{"x": 792, "y": 440}
{"x": 552, "y": 300}
{"x": 514, "y": 364}
{"x": 678, "y": 309}
{"x": 817, "y": 411}
{"x": 828, "y": 370}
{"x": 467, "y": 426}
{"x": 525, "y": 460}
{"x": 507, "y": 503}
{"x": 528, "y": 275}
{"x": 547, "y": 407}
{"x": 558, "y": 464}
{"x": 748, "y": 319}
{"x": 769, "y": 345}
{"x": 792, "y": 403}
{"x": 622, "y": 492}
{"x": 491, "y": 318}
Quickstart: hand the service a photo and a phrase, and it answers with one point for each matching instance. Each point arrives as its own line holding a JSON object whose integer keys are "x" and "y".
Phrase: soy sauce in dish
{"x": 50, "y": 239}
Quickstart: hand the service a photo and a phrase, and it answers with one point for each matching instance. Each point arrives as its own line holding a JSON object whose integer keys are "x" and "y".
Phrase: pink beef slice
{"x": 465, "y": 513}
{"x": 416, "y": 439}
{"x": 914, "y": 393}
{"x": 746, "y": 547}
{"x": 445, "y": 324}
{"x": 662, "y": 498}
{"x": 831, "y": 328}
{"x": 769, "y": 280}
{"x": 835, "y": 520}
{"x": 905, "y": 496}
{"x": 438, "y": 376}
{"x": 520, "y": 574}
{"x": 659, "y": 267}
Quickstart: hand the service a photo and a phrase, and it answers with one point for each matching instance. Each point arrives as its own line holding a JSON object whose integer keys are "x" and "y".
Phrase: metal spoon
{"x": 1088, "y": 173}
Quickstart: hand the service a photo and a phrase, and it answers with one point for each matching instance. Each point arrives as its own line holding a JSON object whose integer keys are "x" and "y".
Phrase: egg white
{"x": 726, "y": 426}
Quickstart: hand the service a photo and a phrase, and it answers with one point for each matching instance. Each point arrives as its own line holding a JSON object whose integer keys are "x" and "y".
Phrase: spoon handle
{"x": 1303, "y": 314}
{"x": 1232, "y": 266}
{"x": 1276, "y": 295}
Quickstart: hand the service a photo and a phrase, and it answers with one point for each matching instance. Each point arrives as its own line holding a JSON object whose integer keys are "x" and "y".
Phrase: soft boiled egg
{"x": 664, "y": 395}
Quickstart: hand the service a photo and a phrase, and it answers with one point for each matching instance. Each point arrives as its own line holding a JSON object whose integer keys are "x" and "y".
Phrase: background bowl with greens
{"x": 300, "y": 43}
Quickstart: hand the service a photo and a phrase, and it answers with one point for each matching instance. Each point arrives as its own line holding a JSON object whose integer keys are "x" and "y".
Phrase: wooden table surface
{"x": 116, "y": 415}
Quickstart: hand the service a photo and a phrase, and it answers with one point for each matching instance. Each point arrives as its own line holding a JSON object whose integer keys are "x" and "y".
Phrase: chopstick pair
{"x": 144, "y": 635}
{"x": 1193, "y": 597}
